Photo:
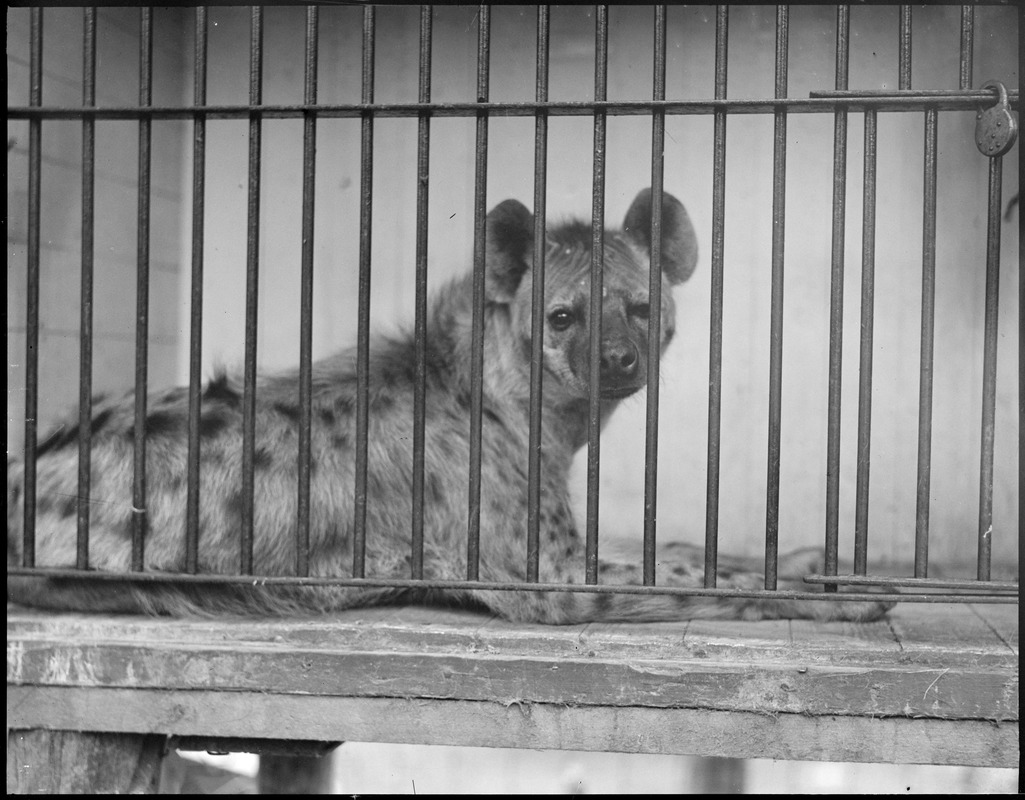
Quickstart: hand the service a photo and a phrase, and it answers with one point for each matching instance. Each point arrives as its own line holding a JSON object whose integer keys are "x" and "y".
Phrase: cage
{"x": 268, "y": 181}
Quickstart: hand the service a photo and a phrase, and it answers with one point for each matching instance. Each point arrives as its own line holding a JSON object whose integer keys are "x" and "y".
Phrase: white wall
{"x": 115, "y": 213}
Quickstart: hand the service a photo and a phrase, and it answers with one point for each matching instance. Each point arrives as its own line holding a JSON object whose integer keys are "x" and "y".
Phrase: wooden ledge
{"x": 931, "y": 684}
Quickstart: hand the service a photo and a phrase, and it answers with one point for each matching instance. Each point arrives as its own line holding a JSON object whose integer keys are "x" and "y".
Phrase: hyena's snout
{"x": 623, "y": 363}
{"x": 621, "y": 367}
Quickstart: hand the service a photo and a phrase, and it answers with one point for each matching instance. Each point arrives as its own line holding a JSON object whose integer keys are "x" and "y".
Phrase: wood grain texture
{"x": 414, "y": 675}
{"x": 529, "y": 725}
{"x": 71, "y": 762}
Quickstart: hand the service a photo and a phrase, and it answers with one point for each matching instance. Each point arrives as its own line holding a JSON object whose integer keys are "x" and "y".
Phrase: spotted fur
{"x": 503, "y": 512}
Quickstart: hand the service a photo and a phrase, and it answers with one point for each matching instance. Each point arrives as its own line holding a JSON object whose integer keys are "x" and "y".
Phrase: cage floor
{"x": 933, "y": 683}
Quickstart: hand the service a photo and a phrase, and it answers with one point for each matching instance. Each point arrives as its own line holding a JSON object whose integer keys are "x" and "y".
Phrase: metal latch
{"x": 995, "y": 127}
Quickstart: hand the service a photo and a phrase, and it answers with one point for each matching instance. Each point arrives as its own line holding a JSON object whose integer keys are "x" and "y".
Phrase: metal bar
{"x": 302, "y": 532}
{"x": 926, "y": 367}
{"x": 722, "y": 27}
{"x": 904, "y": 48}
{"x": 420, "y": 337}
{"x": 252, "y": 293}
{"x": 868, "y": 262}
{"x": 989, "y": 369}
{"x": 479, "y": 254}
{"x": 965, "y": 584}
{"x": 85, "y": 341}
{"x": 816, "y": 103}
{"x": 836, "y": 299}
{"x": 196, "y": 312}
{"x": 967, "y": 46}
{"x": 658, "y": 135}
{"x": 406, "y": 583}
{"x": 537, "y": 318}
{"x": 363, "y": 321}
{"x": 597, "y": 280}
{"x": 139, "y": 513}
{"x": 912, "y": 99}
{"x": 779, "y": 155}
{"x": 28, "y": 552}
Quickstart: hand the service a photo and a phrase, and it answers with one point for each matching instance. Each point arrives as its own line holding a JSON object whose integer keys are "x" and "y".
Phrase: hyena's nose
{"x": 619, "y": 360}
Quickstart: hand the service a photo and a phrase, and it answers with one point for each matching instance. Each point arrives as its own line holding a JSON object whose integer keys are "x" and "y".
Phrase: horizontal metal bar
{"x": 883, "y": 95}
{"x": 466, "y": 585}
{"x": 995, "y": 587}
{"x": 818, "y": 102}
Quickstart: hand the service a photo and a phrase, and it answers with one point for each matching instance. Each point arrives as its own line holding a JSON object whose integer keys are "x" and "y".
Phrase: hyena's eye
{"x": 561, "y": 318}
{"x": 639, "y": 310}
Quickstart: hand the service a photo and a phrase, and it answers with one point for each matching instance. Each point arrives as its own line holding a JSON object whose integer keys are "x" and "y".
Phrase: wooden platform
{"x": 932, "y": 684}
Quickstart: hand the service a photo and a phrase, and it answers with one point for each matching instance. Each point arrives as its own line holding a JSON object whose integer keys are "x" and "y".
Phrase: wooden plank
{"x": 436, "y": 631}
{"x": 356, "y": 669}
{"x": 950, "y": 627}
{"x": 521, "y": 725}
{"x": 72, "y": 762}
{"x": 844, "y": 638}
{"x": 472, "y": 657}
{"x": 1003, "y": 620}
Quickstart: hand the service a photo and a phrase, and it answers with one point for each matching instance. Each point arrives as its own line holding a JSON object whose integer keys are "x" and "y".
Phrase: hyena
{"x": 504, "y": 446}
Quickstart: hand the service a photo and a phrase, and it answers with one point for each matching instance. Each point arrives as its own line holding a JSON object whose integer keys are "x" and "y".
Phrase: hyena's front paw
{"x": 850, "y": 610}
{"x": 795, "y": 565}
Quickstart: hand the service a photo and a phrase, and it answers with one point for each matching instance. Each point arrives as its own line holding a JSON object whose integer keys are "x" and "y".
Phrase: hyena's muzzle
{"x": 624, "y": 348}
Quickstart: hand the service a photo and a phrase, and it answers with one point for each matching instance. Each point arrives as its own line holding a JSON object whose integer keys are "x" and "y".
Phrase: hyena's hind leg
{"x": 677, "y": 565}
{"x": 736, "y": 573}
{"x": 682, "y": 565}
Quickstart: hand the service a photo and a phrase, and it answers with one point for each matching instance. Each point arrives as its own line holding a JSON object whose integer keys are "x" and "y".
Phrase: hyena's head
{"x": 567, "y": 301}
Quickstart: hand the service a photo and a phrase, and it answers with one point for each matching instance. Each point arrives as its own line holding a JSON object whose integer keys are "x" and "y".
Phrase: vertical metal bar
{"x": 868, "y": 262}
{"x": 479, "y": 250}
{"x": 658, "y": 135}
{"x": 722, "y": 28}
{"x": 967, "y": 46}
{"x": 28, "y": 553}
{"x": 139, "y": 513}
{"x": 928, "y": 294}
{"x": 420, "y": 384}
{"x": 904, "y": 48}
{"x": 928, "y": 311}
{"x": 85, "y": 351}
{"x": 601, "y": 57}
{"x": 302, "y": 532}
{"x": 989, "y": 369}
{"x": 196, "y": 312}
{"x": 779, "y": 156}
{"x": 252, "y": 291}
{"x": 836, "y": 301}
{"x": 537, "y": 319}
{"x": 363, "y": 322}
{"x": 1021, "y": 348}
{"x": 928, "y": 327}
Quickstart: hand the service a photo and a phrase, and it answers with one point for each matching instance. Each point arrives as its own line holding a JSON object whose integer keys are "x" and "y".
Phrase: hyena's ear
{"x": 679, "y": 242}
{"x": 510, "y": 241}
